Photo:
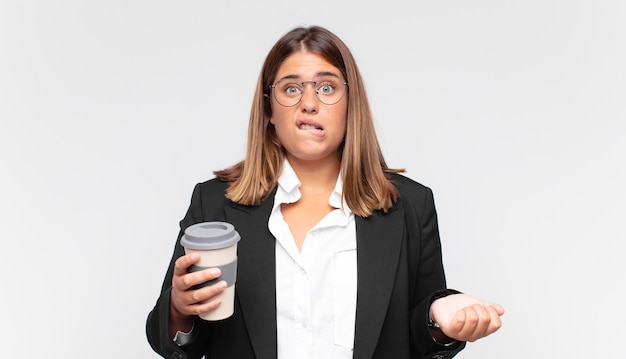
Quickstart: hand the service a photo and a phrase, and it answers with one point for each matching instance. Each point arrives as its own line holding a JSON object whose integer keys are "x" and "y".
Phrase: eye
{"x": 291, "y": 89}
{"x": 326, "y": 88}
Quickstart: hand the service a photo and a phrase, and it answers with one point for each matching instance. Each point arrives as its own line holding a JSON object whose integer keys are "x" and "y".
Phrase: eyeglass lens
{"x": 289, "y": 92}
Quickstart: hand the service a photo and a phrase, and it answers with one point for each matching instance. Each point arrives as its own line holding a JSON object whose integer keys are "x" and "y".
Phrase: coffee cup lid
{"x": 209, "y": 235}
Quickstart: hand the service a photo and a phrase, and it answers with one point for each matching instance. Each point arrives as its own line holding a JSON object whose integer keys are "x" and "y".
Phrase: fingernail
{"x": 215, "y": 272}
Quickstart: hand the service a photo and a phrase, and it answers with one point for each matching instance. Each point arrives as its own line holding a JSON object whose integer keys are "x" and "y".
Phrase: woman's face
{"x": 311, "y": 129}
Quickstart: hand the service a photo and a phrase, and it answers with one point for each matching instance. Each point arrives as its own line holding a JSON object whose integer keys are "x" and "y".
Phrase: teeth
{"x": 307, "y": 127}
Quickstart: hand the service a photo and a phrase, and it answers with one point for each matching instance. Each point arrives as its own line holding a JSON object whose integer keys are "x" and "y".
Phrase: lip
{"x": 317, "y": 128}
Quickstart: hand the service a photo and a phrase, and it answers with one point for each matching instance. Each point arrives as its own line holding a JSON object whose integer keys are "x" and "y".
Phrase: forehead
{"x": 306, "y": 65}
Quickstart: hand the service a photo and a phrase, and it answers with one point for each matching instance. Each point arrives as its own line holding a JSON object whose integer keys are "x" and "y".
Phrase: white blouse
{"x": 316, "y": 287}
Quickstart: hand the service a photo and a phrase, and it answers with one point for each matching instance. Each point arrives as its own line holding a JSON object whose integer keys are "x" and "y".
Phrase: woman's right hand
{"x": 186, "y": 301}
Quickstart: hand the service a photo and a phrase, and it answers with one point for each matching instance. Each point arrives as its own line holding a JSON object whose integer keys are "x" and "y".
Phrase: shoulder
{"x": 409, "y": 187}
{"x": 211, "y": 191}
{"x": 415, "y": 198}
{"x": 207, "y": 202}
{"x": 213, "y": 185}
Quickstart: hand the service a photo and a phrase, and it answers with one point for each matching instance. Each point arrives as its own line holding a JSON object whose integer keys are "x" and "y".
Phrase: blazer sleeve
{"x": 158, "y": 319}
{"x": 427, "y": 266}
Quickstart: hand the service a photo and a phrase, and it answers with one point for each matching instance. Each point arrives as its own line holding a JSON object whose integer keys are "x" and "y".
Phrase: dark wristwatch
{"x": 432, "y": 325}
{"x": 181, "y": 338}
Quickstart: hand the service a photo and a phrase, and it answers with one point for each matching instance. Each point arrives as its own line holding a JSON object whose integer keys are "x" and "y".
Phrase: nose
{"x": 309, "y": 101}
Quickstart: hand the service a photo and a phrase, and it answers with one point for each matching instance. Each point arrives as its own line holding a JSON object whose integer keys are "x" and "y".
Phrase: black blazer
{"x": 399, "y": 270}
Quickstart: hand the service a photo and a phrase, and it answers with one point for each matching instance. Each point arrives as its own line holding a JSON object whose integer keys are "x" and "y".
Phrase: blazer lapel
{"x": 379, "y": 241}
{"x": 256, "y": 283}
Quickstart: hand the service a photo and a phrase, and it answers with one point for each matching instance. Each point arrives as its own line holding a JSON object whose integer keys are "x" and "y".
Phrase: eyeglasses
{"x": 288, "y": 92}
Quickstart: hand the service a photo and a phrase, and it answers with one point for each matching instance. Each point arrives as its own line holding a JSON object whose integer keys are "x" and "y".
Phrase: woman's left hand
{"x": 465, "y": 318}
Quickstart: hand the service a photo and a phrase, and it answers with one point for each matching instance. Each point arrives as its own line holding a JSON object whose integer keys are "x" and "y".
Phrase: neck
{"x": 316, "y": 174}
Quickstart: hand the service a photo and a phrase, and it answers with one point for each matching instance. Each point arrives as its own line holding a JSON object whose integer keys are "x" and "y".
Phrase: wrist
{"x": 436, "y": 333}
{"x": 178, "y": 321}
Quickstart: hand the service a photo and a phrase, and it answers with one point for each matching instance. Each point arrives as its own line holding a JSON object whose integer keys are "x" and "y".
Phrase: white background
{"x": 511, "y": 111}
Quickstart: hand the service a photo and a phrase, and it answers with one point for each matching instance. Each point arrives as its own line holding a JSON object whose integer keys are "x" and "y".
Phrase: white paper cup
{"x": 216, "y": 243}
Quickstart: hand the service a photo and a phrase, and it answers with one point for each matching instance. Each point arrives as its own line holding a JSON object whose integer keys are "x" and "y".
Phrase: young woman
{"x": 340, "y": 256}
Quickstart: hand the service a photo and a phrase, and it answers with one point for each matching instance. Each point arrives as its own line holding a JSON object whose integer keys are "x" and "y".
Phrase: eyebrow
{"x": 318, "y": 75}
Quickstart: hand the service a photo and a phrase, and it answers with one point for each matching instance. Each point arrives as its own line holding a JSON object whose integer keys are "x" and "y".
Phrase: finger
{"x": 476, "y": 322}
{"x": 499, "y": 309}
{"x": 201, "y": 300}
{"x": 206, "y": 299}
{"x": 487, "y": 322}
{"x": 495, "y": 321}
{"x": 483, "y": 323}
{"x": 182, "y": 263}
{"x": 189, "y": 280}
{"x": 469, "y": 324}
{"x": 454, "y": 328}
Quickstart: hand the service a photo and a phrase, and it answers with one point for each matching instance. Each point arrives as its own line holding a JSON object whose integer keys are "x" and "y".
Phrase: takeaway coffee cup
{"x": 216, "y": 242}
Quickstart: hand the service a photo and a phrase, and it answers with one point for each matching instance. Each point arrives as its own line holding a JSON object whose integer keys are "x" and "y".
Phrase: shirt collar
{"x": 288, "y": 189}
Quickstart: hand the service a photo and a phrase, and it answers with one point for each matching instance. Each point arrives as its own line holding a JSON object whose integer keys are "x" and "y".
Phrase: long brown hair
{"x": 366, "y": 183}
